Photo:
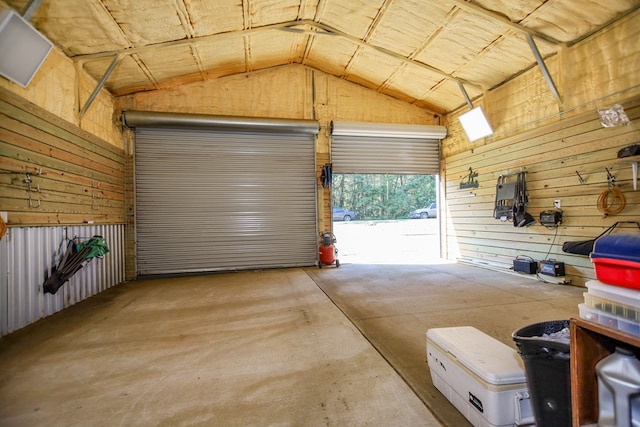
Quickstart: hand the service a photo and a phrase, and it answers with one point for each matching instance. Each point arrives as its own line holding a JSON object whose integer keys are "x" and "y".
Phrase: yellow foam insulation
{"x": 414, "y": 50}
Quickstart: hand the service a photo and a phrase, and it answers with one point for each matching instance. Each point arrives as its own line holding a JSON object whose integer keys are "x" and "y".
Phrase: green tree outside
{"x": 380, "y": 196}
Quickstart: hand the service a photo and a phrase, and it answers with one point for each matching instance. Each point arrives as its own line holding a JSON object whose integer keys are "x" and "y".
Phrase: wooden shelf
{"x": 590, "y": 343}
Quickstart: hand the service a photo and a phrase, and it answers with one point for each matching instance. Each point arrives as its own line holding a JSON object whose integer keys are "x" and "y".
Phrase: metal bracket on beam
{"x": 101, "y": 84}
{"x": 543, "y": 68}
{"x": 470, "y": 6}
{"x": 326, "y": 30}
{"x": 466, "y": 95}
{"x": 30, "y": 8}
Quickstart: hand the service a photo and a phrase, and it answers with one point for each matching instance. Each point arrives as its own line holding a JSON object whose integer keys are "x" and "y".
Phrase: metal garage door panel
{"x": 373, "y": 154}
{"x": 216, "y": 200}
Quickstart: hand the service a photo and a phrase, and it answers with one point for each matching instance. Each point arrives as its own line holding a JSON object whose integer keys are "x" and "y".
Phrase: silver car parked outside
{"x": 341, "y": 214}
{"x": 430, "y": 211}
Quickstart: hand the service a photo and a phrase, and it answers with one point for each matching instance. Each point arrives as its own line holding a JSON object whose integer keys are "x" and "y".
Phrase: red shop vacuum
{"x": 328, "y": 251}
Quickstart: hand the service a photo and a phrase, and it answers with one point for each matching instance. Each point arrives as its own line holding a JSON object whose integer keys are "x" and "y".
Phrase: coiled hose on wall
{"x": 611, "y": 202}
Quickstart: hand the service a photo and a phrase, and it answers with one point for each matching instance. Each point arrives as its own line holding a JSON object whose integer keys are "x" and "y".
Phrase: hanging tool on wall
{"x": 505, "y": 194}
{"x": 31, "y": 188}
{"x": 521, "y": 218}
{"x": 75, "y": 257}
{"x": 326, "y": 176}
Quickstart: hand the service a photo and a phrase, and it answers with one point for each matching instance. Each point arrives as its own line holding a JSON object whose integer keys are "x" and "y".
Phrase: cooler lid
{"x": 620, "y": 246}
{"x": 490, "y": 359}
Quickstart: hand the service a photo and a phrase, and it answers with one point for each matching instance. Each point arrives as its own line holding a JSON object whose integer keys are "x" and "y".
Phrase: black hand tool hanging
{"x": 521, "y": 218}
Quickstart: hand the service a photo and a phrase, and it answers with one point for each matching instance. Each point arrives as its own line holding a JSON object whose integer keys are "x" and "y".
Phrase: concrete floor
{"x": 394, "y": 305}
{"x": 294, "y": 347}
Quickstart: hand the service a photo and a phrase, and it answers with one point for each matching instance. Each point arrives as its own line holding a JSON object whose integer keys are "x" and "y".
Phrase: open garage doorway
{"x": 386, "y": 218}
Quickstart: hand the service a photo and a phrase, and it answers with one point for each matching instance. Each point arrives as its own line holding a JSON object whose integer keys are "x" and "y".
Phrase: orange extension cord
{"x": 611, "y": 202}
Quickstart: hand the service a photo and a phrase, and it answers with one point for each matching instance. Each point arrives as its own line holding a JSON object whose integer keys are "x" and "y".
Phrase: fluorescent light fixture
{"x": 475, "y": 124}
{"x": 22, "y": 48}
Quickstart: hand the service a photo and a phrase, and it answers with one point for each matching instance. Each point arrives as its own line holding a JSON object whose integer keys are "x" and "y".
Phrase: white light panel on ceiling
{"x": 475, "y": 124}
{"x": 22, "y": 48}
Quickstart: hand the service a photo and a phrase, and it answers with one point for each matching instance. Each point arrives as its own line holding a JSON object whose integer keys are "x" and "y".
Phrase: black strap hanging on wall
{"x": 327, "y": 175}
{"x": 521, "y": 218}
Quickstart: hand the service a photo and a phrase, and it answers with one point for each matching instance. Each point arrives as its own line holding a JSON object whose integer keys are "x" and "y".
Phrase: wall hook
{"x": 31, "y": 189}
{"x": 95, "y": 195}
{"x": 610, "y": 178}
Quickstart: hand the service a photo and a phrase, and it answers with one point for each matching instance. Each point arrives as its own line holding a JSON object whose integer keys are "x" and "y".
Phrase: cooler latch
{"x": 524, "y": 412}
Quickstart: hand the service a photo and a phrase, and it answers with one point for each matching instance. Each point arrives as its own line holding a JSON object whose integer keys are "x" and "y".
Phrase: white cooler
{"x": 483, "y": 377}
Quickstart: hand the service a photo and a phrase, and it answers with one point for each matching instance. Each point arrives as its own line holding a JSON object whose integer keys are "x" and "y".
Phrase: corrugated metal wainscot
{"x": 27, "y": 255}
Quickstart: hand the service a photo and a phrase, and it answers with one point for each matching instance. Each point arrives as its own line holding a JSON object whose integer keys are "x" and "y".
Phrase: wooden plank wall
{"x": 130, "y": 203}
{"x": 75, "y": 177}
{"x": 550, "y": 155}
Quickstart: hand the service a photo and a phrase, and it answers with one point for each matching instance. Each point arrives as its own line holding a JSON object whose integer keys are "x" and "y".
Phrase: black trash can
{"x": 544, "y": 348}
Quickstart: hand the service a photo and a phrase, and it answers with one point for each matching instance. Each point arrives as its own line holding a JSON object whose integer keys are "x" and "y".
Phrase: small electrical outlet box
{"x": 557, "y": 204}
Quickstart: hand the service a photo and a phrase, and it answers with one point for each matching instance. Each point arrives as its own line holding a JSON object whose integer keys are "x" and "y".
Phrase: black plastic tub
{"x": 548, "y": 371}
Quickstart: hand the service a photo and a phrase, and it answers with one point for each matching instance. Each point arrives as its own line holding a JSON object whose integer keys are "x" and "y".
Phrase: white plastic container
{"x": 609, "y": 320}
{"x": 626, "y": 296}
{"x": 619, "y": 390}
{"x": 481, "y": 376}
{"x": 610, "y": 306}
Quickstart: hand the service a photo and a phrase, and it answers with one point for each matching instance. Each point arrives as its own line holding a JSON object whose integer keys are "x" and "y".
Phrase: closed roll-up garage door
{"x": 224, "y": 199}
{"x": 385, "y": 148}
